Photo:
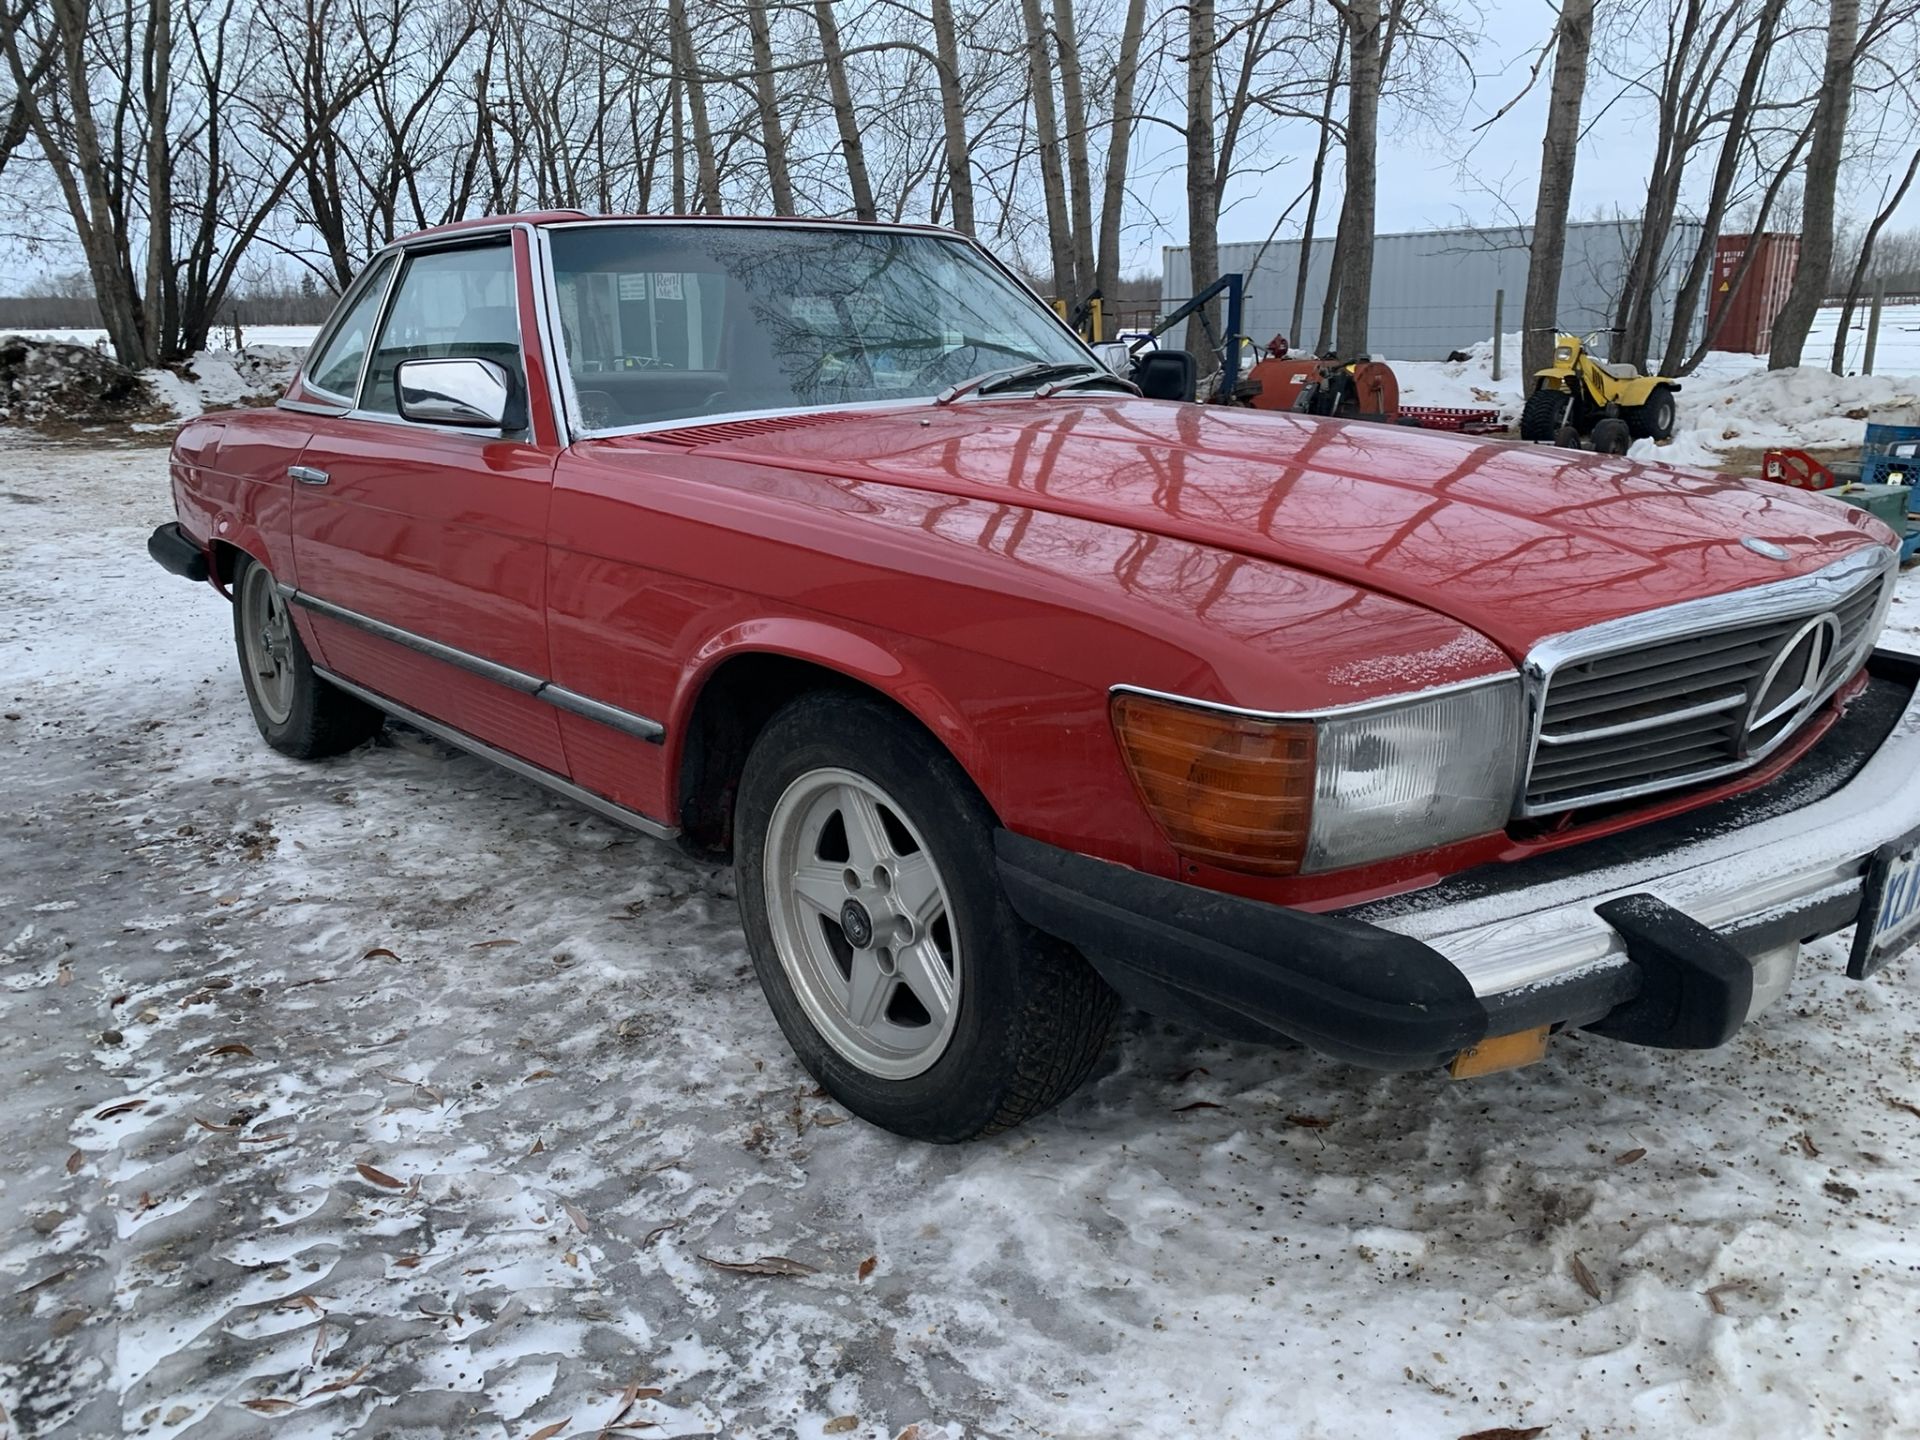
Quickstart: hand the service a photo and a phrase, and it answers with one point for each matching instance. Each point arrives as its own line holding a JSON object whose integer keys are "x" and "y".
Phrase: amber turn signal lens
{"x": 1227, "y": 789}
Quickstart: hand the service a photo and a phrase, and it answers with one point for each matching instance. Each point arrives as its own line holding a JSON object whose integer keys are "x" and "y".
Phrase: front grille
{"x": 1674, "y": 697}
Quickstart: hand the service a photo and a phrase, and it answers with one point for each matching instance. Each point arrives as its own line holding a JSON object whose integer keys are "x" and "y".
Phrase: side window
{"x": 450, "y": 302}
{"x": 336, "y": 369}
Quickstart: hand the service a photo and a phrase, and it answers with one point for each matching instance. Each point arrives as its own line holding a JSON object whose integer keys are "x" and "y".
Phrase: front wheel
{"x": 1653, "y": 419}
{"x": 298, "y": 713}
{"x": 1543, "y": 414}
{"x": 886, "y": 947}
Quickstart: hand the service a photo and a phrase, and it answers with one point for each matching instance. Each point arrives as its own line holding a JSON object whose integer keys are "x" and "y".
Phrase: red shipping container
{"x": 1750, "y": 310}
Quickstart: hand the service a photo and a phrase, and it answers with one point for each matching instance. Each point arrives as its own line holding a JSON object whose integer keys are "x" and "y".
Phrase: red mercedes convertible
{"x": 1014, "y": 693}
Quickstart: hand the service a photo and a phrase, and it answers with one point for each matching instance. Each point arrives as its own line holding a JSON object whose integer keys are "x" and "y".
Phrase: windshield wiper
{"x": 989, "y": 381}
{"x": 1054, "y": 387}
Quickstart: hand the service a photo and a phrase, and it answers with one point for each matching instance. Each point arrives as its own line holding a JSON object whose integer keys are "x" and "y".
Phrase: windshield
{"x": 668, "y": 322}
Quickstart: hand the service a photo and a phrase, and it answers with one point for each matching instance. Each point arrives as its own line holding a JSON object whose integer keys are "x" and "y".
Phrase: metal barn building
{"x": 1433, "y": 290}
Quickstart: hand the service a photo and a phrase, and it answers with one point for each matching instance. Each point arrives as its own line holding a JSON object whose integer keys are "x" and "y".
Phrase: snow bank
{"x": 55, "y": 382}
{"x": 1468, "y": 383}
{"x": 1726, "y": 408}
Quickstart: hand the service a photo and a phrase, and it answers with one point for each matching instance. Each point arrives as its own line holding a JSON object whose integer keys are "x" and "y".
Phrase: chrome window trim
{"x": 309, "y": 407}
{"x": 557, "y": 348}
{"x": 408, "y": 253}
{"x": 537, "y": 687}
{"x": 1328, "y": 712}
{"x": 546, "y": 316}
{"x": 348, "y": 299}
{"x": 539, "y": 774}
{"x": 1801, "y": 596}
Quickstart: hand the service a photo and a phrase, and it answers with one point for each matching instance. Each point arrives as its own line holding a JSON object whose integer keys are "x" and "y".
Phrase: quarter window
{"x": 336, "y": 369}
{"x": 450, "y": 302}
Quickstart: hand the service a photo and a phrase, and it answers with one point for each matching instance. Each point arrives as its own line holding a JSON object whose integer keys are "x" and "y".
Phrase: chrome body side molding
{"x": 640, "y": 726}
{"x": 559, "y": 784}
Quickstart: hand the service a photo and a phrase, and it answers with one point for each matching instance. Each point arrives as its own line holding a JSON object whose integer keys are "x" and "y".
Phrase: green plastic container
{"x": 1885, "y": 502}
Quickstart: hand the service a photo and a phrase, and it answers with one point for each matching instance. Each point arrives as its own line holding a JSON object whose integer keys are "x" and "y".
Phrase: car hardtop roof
{"x": 545, "y": 218}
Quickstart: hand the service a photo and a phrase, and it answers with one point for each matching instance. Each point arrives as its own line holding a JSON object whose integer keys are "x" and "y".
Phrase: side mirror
{"x": 1116, "y": 357}
{"x": 1167, "y": 375}
{"x": 474, "y": 393}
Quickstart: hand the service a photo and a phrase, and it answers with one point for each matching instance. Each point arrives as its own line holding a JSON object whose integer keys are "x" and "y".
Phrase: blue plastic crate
{"x": 1890, "y": 455}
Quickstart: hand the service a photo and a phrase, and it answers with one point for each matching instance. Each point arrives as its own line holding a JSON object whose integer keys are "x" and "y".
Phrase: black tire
{"x": 1031, "y": 1016}
{"x": 1611, "y": 436}
{"x": 1655, "y": 419}
{"x": 319, "y": 718}
{"x": 1543, "y": 414}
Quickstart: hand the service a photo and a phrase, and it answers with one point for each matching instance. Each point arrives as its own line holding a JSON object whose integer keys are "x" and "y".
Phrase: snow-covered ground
{"x": 297, "y": 337}
{"x": 391, "y": 1097}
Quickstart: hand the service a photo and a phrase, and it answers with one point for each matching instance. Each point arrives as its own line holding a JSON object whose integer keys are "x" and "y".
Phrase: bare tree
{"x": 1366, "y": 23}
{"x": 1863, "y": 260}
{"x": 1809, "y": 287}
{"x": 1119, "y": 146}
{"x": 846, "y": 119}
{"x": 1539, "y": 314}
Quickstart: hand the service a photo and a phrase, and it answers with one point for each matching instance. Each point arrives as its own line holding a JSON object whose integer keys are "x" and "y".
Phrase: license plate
{"x": 1889, "y": 907}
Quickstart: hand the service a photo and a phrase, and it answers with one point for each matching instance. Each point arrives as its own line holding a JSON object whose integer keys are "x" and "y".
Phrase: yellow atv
{"x": 1577, "y": 397}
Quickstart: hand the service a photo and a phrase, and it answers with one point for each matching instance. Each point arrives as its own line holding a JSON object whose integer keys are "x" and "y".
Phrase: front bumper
{"x": 1652, "y": 936}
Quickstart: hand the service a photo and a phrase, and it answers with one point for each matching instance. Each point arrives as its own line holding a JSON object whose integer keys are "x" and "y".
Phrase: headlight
{"x": 1289, "y": 796}
{"x": 1563, "y": 354}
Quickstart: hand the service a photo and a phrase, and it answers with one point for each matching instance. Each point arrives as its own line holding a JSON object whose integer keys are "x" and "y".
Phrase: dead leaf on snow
{"x": 1309, "y": 1122}
{"x": 547, "y": 1432}
{"x": 867, "y": 1267}
{"x": 657, "y": 1231}
{"x": 1715, "y": 1292}
{"x": 824, "y": 1118}
{"x": 217, "y": 1129}
{"x": 379, "y": 952}
{"x": 1906, "y": 1105}
{"x": 539, "y": 1075}
{"x": 1807, "y": 1147}
{"x": 347, "y": 1384}
{"x": 494, "y": 944}
{"x": 119, "y": 1108}
{"x": 65, "y": 977}
{"x": 1507, "y": 1432}
{"x": 232, "y": 1047}
{"x": 75, "y": 1161}
{"x": 319, "y": 1343}
{"x": 301, "y": 1302}
{"x": 378, "y": 1177}
{"x": 408, "y": 1262}
{"x": 1583, "y": 1277}
{"x": 573, "y": 1214}
{"x": 765, "y": 1265}
{"x": 1197, "y": 1105}
{"x": 840, "y": 1425}
{"x": 538, "y": 1146}
{"x": 268, "y": 1405}
{"x": 1629, "y": 1156}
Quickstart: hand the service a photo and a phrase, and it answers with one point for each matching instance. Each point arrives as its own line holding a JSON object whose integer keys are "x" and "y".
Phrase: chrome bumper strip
{"x": 1508, "y": 941}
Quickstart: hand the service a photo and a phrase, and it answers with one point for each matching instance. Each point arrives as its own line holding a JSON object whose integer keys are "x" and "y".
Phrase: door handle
{"x": 307, "y": 475}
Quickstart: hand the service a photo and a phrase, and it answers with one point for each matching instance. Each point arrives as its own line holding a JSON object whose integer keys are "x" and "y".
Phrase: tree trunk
{"x": 1726, "y": 170}
{"x": 1540, "y": 314}
{"x": 686, "y": 62}
{"x": 1864, "y": 260}
{"x": 1073, "y": 100}
{"x": 1203, "y": 196}
{"x": 1364, "y": 21}
{"x": 1047, "y": 140}
{"x": 773, "y": 141}
{"x": 1823, "y": 168}
{"x": 1314, "y": 187}
{"x": 852, "y": 147}
{"x": 953, "y": 120}
{"x": 157, "y": 76}
{"x": 1113, "y": 195}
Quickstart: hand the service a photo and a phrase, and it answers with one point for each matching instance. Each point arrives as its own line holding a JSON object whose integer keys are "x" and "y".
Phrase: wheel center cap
{"x": 857, "y": 924}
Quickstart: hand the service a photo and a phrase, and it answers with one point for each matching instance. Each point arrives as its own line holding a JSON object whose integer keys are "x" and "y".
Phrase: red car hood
{"x": 1517, "y": 541}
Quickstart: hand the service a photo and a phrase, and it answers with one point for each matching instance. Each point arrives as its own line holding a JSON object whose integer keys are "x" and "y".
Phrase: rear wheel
{"x": 1611, "y": 436}
{"x": 886, "y": 947}
{"x": 298, "y": 713}
{"x": 1654, "y": 418}
{"x": 1543, "y": 414}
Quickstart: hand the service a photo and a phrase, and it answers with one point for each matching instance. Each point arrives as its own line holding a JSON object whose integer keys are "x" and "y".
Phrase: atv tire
{"x": 1653, "y": 420}
{"x": 1543, "y": 414}
{"x": 1611, "y": 436}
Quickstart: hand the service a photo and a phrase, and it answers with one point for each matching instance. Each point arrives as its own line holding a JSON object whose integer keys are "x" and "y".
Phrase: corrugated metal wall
{"x": 1433, "y": 290}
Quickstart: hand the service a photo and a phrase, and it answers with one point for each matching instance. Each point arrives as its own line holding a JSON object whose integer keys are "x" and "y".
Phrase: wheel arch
{"x": 741, "y": 680}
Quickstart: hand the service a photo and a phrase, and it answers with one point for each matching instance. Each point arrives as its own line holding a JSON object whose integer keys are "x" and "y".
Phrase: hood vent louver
{"x": 693, "y": 436}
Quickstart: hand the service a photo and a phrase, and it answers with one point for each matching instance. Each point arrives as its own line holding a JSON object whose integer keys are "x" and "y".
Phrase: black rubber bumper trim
{"x": 178, "y": 551}
{"x": 1247, "y": 969}
{"x": 1695, "y": 987}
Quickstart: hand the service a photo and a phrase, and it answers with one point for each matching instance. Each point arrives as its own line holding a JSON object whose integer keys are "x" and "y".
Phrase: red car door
{"x": 422, "y": 548}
